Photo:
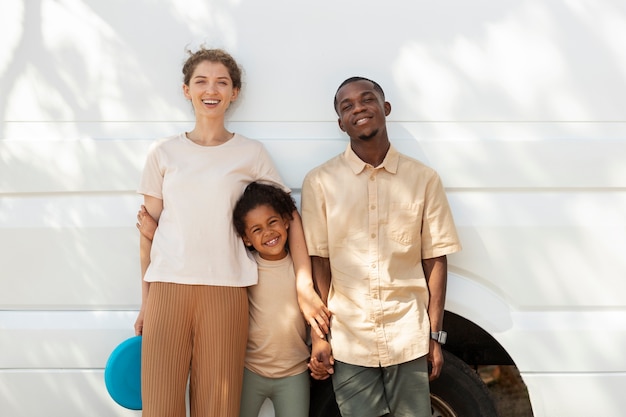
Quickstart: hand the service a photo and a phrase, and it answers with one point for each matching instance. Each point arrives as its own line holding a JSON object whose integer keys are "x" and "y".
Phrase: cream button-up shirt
{"x": 376, "y": 224}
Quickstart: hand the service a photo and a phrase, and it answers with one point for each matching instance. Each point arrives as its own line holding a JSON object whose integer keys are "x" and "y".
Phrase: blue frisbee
{"x": 122, "y": 374}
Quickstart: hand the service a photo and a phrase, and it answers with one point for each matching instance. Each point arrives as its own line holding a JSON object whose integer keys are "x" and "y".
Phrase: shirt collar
{"x": 390, "y": 163}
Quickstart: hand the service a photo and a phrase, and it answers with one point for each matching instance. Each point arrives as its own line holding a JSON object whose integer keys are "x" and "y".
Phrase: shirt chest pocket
{"x": 404, "y": 222}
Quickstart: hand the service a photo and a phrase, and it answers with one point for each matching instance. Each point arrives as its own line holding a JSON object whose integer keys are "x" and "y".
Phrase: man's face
{"x": 361, "y": 110}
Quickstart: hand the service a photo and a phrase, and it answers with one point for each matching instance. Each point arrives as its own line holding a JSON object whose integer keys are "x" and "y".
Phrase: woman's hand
{"x": 314, "y": 310}
{"x": 139, "y": 324}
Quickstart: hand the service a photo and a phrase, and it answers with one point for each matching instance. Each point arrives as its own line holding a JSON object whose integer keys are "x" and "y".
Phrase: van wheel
{"x": 459, "y": 391}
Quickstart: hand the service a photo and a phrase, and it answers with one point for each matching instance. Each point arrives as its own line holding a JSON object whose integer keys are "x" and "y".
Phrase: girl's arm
{"x": 314, "y": 310}
{"x": 152, "y": 206}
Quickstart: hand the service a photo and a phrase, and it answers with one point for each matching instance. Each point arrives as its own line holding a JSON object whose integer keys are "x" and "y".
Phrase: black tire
{"x": 459, "y": 391}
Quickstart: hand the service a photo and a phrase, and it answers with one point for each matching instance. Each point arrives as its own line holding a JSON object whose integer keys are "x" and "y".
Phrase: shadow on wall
{"x": 508, "y": 61}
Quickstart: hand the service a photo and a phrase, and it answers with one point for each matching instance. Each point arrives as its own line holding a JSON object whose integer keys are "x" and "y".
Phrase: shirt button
{"x": 373, "y": 207}
{"x": 373, "y": 266}
{"x": 372, "y": 178}
{"x": 373, "y": 235}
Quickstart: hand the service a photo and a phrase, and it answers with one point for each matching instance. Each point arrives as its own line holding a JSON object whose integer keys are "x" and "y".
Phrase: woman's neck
{"x": 209, "y": 133}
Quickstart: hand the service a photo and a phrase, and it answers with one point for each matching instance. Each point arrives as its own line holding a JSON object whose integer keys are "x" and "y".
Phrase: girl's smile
{"x": 266, "y": 231}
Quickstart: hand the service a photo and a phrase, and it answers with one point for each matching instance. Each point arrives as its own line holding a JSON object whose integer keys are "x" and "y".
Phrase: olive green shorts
{"x": 289, "y": 395}
{"x": 401, "y": 390}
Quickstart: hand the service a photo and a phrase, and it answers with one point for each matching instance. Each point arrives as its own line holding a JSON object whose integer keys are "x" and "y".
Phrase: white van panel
{"x": 576, "y": 394}
{"x": 57, "y": 393}
{"x": 66, "y": 340}
{"x": 53, "y": 393}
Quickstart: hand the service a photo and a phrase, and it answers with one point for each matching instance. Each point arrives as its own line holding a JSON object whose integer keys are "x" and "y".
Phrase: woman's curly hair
{"x": 212, "y": 55}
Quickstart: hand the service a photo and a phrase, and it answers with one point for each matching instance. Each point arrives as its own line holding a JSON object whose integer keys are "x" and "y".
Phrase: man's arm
{"x": 436, "y": 272}
{"x": 321, "y": 276}
{"x": 321, "y": 364}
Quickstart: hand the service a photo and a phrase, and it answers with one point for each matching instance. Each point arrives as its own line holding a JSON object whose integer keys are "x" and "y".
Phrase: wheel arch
{"x": 473, "y": 314}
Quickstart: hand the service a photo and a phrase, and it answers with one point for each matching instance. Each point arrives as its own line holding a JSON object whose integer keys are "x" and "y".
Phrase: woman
{"x": 194, "y": 310}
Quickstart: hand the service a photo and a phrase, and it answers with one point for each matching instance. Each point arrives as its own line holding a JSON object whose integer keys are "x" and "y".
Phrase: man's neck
{"x": 372, "y": 152}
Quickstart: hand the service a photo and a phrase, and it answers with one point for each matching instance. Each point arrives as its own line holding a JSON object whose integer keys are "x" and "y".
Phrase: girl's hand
{"x": 145, "y": 223}
{"x": 322, "y": 361}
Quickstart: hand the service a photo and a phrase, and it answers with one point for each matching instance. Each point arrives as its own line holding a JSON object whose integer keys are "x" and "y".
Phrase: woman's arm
{"x": 314, "y": 310}
{"x": 153, "y": 208}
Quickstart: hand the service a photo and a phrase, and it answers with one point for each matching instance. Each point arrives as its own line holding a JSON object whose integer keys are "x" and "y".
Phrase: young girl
{"x": 277, "y": 352}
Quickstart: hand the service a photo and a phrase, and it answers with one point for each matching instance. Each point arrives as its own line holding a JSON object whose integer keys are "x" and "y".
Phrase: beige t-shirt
{"x": 376, "y": 224}
{"x": 196, "y": 242}
{"x": 277, "y": 333}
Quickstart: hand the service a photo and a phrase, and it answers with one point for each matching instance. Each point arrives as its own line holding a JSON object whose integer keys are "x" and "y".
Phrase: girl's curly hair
{"x": 257, "y": 194}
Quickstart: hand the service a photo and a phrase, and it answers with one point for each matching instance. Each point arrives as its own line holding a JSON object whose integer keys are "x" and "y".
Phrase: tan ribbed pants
{"x": 197, "y": 332}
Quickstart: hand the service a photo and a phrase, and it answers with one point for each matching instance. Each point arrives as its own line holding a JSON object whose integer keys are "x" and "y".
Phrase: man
{"x": 378, "y": 229}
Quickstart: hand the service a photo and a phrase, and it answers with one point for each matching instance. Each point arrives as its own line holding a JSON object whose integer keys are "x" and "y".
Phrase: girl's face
{"x": 210, "y": 89}
{"x": 266, "y": 231}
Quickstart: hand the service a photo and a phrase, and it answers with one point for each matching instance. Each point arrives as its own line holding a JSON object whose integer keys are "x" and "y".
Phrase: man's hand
{"x": 145, "y": 223}
{"x": 435, "y": 357}
{"x": 322, "y": 361}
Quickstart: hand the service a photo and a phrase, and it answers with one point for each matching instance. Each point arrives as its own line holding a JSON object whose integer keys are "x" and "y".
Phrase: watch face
{"x": 440, "y": 336}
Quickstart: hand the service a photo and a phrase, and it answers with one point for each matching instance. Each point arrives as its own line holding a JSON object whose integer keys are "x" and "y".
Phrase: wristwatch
{"x": 439, "y": 336}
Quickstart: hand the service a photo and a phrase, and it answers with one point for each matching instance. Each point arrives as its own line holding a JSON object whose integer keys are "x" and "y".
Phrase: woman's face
{"x": 210, "y": 89}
